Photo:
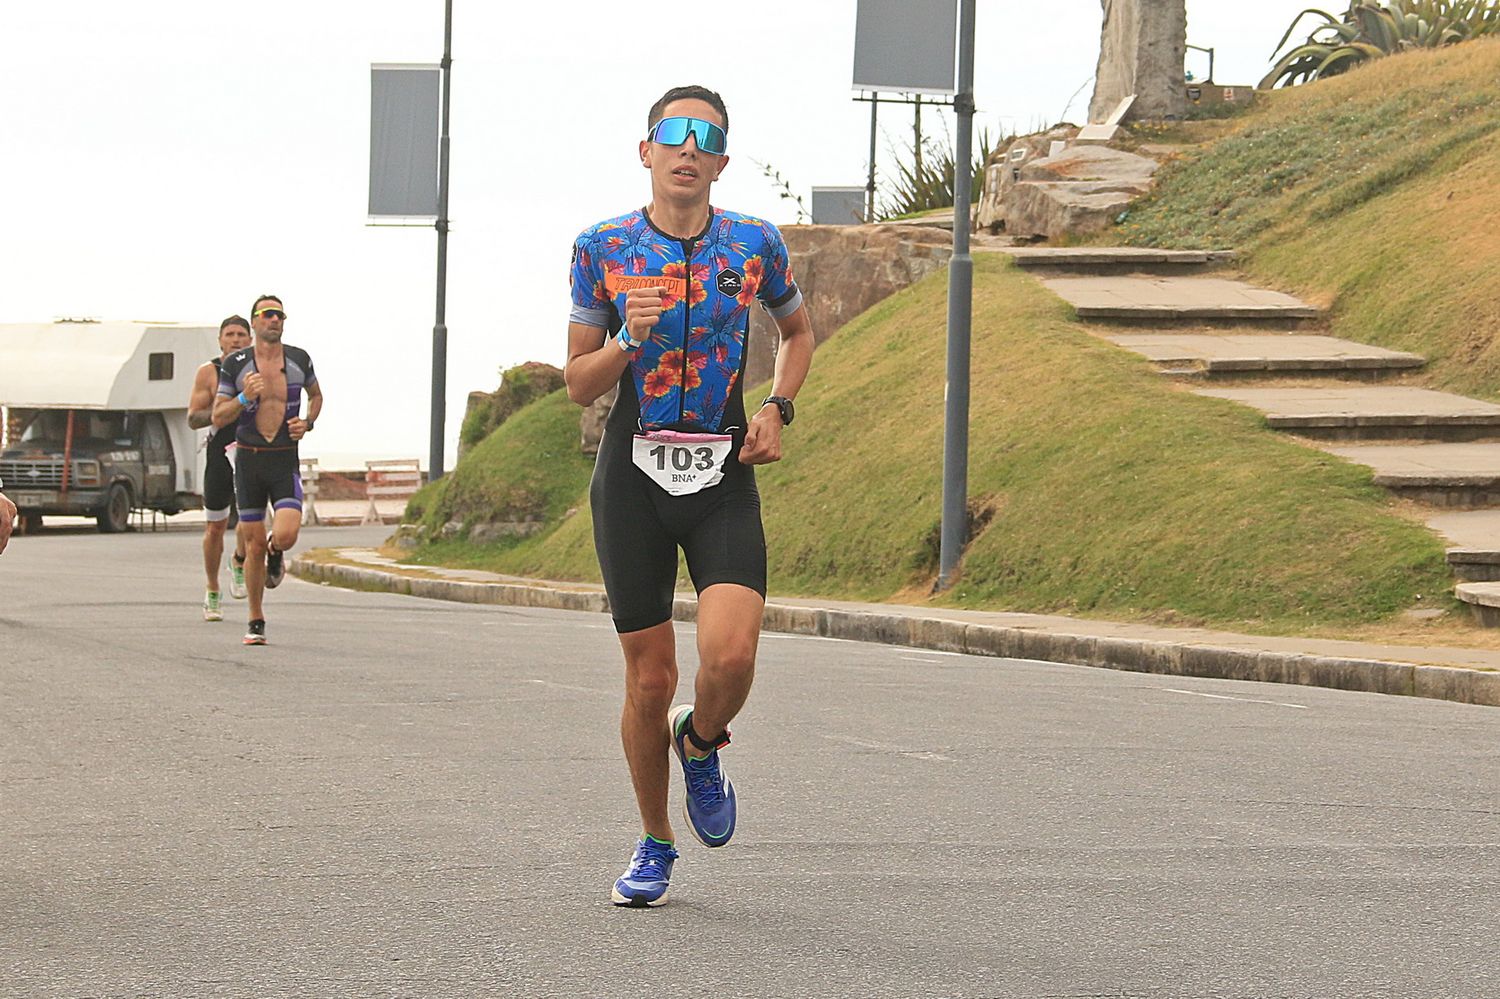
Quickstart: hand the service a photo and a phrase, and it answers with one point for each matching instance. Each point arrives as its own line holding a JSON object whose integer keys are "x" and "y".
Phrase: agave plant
{"x": 1370, "y": 29}
{"x": 926, "y": 182}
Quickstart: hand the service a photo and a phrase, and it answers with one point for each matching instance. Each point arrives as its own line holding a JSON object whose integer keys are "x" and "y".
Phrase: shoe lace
{"x": 705, "y": 780}
{"x": 650, "y": 862}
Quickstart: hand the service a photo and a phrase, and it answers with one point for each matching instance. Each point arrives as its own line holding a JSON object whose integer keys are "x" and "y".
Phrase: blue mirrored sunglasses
{"x": 674, "y": 132}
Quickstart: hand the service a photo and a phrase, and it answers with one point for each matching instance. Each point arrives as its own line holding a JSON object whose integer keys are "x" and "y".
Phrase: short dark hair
{"x": 265, "y": 298}
{"x": 693, "y": 93}
{"x": 234, "y": 321}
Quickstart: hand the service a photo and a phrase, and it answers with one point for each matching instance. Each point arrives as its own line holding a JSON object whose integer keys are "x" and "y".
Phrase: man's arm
{"x": 590, "y": 371}
{"x": 7, "y": 520}
{"x": 227, "y": 408}
{"x": 299, "y": 426}
{"x": 793, "y": 359}
{"x": 595, "y": 363}
{"x": 201, "y": 402}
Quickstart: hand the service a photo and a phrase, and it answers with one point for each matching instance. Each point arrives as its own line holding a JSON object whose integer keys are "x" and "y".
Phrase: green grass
{"x": 530, "y": 468}
{"x": 1108, "y": 491}
{"x": 1373, "y": 192}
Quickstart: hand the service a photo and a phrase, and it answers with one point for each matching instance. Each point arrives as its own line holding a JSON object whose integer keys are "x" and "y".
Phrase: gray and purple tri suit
{"x": 266, "y": 471}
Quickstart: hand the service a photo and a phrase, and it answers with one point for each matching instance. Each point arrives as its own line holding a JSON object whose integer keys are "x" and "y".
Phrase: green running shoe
{"x": 236, "y": 578}
{"x": 211, "y": 610}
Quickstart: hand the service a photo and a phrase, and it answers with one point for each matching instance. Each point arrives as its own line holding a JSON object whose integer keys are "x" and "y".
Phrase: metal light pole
{"x": 960, "y": 307}
{"x": 440, "y": 328}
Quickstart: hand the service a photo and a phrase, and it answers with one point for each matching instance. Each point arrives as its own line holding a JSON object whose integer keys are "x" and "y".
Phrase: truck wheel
{"x": 115, "y": 517}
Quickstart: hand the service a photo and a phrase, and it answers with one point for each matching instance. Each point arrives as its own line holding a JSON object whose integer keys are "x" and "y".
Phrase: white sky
{"x": 171, "y": 160}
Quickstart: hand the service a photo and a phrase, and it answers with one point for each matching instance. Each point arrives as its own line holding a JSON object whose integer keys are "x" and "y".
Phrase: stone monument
{"x": 1141, "y": 51}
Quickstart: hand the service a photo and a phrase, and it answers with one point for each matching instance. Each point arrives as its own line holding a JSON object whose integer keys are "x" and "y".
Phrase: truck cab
{"x": 99, "y": 464}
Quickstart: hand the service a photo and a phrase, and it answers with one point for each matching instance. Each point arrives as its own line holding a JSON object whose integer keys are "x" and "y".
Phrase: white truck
{"x": 96, "y": 418}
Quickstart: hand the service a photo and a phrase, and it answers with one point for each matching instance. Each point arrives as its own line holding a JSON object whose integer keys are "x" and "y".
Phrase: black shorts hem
{"x": 640, "y": 622}
{"x": 738, "y": 579}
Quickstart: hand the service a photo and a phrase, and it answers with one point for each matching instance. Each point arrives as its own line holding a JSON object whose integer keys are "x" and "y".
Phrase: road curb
{"x": 1465, "y": 686}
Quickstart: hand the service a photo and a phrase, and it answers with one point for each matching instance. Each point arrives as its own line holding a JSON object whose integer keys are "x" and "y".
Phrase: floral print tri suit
{"x": 686, "y": 377}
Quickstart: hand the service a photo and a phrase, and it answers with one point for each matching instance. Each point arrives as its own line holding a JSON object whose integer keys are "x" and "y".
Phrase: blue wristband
{"x": 626, "y": 344}
{"x": 242, "y": 400}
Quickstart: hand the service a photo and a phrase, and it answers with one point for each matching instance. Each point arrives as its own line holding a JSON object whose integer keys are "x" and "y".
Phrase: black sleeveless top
{"x": 224, "y": 436}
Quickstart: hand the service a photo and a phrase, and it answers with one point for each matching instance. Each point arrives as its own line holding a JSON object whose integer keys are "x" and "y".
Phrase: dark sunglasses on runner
{"x": 674, "y": 132}
{"x": 270, "y": 313}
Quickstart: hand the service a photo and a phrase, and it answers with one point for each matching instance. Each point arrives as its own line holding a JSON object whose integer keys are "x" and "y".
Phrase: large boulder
{"x": 1092, "y": 163}
{"x": 519, "y": 386}
{"x": 1142, "y": 48}
{"x": 1080, "y": 190}
{"x": 591, "y": 424}
{"x": 1003, "y": 170}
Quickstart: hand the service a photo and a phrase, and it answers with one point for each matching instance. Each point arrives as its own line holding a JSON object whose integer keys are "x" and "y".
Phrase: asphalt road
{"x": 409, "y": 798}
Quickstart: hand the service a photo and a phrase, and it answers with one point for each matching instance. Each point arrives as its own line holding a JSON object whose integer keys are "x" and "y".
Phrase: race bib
{"x": 681, "y": 463}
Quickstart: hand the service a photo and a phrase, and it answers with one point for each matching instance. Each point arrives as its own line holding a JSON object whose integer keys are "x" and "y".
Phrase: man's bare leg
{"x": 213, "y": 551}
{"x": 286, "y": 524}
{"x": 729, "y": 619}
{"x": 650, "y": 683}
{"x": 255, "y": 568}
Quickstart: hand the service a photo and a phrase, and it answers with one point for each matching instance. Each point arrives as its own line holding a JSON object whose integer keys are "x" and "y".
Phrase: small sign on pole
{"x": 404, "y": 105}
{"x": 838, "y": 205}
{"x": 905, "y": 45}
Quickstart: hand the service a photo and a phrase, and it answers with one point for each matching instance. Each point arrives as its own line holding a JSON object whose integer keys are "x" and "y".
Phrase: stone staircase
{"x": 1437, "y": 449}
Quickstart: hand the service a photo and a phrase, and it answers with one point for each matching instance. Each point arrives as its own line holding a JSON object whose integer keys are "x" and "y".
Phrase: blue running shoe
{"x": 709, "y": 806}
{"x": 645, "y": 880}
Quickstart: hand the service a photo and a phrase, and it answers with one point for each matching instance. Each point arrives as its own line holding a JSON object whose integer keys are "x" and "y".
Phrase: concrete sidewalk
{"x": 1469, "y": 676}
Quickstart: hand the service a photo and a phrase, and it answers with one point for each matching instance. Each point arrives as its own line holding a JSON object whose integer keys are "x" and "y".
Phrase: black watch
{"x": 785, "y": 405}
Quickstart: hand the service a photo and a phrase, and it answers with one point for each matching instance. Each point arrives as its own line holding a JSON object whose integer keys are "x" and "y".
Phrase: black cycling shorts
{"x": 638, "y": 528}
{"x": 264, "y": 476}
{"x": 218, "y": 486}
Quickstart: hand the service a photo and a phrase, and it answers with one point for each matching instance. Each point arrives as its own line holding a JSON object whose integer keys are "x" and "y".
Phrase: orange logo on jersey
{"x": 618, "y": 284}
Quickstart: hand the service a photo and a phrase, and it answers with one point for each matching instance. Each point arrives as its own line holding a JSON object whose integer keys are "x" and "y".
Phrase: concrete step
{"x": 1483, "y": 600}
{"x": 1444, "y": 475}
{"x": 1474, "y": 536}
{"x": 1356, "y": 413}
{"x": 1145, "y": 298}
{"x": 1116, "y": 259}
{"x": 1223, "y": 356}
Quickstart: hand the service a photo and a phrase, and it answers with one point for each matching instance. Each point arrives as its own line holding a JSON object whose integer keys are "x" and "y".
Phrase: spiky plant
{"x": 1370, "y": 29}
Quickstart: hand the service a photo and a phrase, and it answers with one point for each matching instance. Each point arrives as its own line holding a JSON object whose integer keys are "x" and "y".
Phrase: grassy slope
{"x": 1373, "y": 192}
{"x": 1111, "y": 492}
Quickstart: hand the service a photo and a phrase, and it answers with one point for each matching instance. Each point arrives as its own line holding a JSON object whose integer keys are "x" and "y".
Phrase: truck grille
{"x": 31, "y": 474}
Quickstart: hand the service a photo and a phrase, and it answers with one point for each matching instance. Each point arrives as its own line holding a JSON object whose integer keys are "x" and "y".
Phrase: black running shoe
{"x": 275, "y": 568}
{"x": 256, "y": 635}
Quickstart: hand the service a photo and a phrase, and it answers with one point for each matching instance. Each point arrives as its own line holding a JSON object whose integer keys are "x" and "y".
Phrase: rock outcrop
{"x": 1003, "y": 170}
{"x": 1082, "y": 189}
{"x": 1142, "y": 49}
{"x": 842, "y": 271}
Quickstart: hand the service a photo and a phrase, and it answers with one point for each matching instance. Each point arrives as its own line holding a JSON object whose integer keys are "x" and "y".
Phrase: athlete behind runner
{"x": 661, "y": 307}
{"x": 218, "y": 476}
{"x": 260, "y": 390}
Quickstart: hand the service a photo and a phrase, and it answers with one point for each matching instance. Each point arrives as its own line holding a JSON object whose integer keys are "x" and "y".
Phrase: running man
{"x": 218, "y": 476}
{"x": 260, "y": 391}
{"x": 661, "y": 307}
{"x": 7, "y": 519}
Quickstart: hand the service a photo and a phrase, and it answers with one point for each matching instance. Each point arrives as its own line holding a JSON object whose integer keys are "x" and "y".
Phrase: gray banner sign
{"x": 905, "y": 45}
{"x": 404, "y": 102}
